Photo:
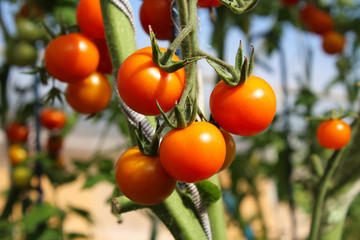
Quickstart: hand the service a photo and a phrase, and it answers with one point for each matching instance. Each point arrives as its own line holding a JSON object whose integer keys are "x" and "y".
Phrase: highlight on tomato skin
{"x": 244, "y": 110}
{"x": 142, "y": 178}
{"x": 333, "y": 134}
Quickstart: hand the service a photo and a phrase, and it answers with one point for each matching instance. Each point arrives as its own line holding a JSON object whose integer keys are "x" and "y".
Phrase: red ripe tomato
{"x": 16, "y": 132}
{"x": 89, "y": 18}
{"x": 316, "y": 20}
{"x": 194, "y": 153}
{"x": 54, "y": 144}
{"x": 157, "y": 13}
{"x": 142, "y": 179}
{"x": 230, "y": 149}
{"x": 244, "y": 110}
{"x": 105, "y": 64}
{"x": 52, "y": 119}
{"x": 208, "y": 3}
{"x": 333, "y": 134}
{"x": 333, "y": 42}
{"x": 289, "y": 2}
{"x": 307, "y": 11}
{"x": 90, "y": 95}
{"x": 140, "y": 83}
{"x": 71, "y": 57}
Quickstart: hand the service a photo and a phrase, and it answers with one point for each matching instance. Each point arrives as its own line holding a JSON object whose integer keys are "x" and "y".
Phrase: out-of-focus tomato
{"x": 289, "y": 2}
{"x": 333, "y": 134}
{"x": 16, "y": 132}
{"x": 244, "y": 110}
{"x": 194, "y": 153}
{"x": 89, "y": 95}
{"x": 142, "y": 179}
{"x": 157, "y": 13}
{"x": 54, "y": 144}
{"x": 230, "y": 149}
{"x": 21, "y": 53}
{"x": 208, "y": 3}
{"x": 71, "y": 57}
{"x": 89, "y": 18}
{"x": 52, "y": 118}
{"x": 22, "y": 176}
{"x": 28, "y": 30}
{"x": 17, "y": 154}
{"x": 105, "y": 64}
{"x": 316, "y": 20}
{"x": 141, "y": 83}
{"x": 333, "y": 42}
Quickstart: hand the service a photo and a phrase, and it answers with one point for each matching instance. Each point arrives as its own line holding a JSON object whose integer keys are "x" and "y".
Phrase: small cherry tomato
{"x": 230, "y": 149}
{"x": 52, "y": 118}
{"x": 17, "y": 154}
{"x": 333, "y": 42}
{"x": 21, "y": 53}
{"x": 16, "y": 132}
{"x": 141, "y": 83}
{"x": 105, "y": 64}
{"x": 317, "y": 20}
{"x": 89, "y": 18}
{"x": 208, "y": 3}
{"x": 157, "y": 14}
{"x": 142, "y": 179}
{"x": 54, "y": 144}
{"x": 244, "y": 110}
{"x": 22, "y": 176}
{"x": 333, "y": 134}
{"x": 71, "y": 57}
{"x": 90, "y": 95}
{"x": 194, "y": 153}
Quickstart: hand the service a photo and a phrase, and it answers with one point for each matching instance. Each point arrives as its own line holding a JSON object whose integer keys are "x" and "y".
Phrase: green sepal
{"x": 239, "y": 6}
{"x": 251, "y": 62}
{"x": 208, "y": 191}
{"x": 146, "y": 148}
{"x": 48, "y": 30}
{"x": 229, "y": 79}
{"x": 244, "y": 72}
{"x": 239, "y": 57}
{"x": 166, "y": 119}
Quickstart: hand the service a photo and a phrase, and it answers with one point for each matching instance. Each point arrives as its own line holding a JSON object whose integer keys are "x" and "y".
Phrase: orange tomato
{"x": 89, "y": 18}
{"x": 17, "y": 154}
{"x": 230, "y": 149}
{"x": 89, "y": 95}
{"x": 52, "y": 118}
{"x": 333, "y": 134}
{"x": 333, "y": 42}
{"x": 316, "y": 20}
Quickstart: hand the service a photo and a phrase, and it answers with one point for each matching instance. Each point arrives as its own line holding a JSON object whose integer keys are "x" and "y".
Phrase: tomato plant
{"x": 230, "y": 149}
{"x": 333, "y": 134}
{"x": 17, "y": 154}
{"x": 208, "y": 3}
{"x": 142, "y": 178}
{"x": 89, "y": 18}
{"x": 105, "y": 65}
{"x": 22, "y": 176}
{"x": 16, "y": 132}
{"x": 157, "y": 14}
{"x": 52, "y": 118}
{"x": 333, "y": 42}
{"x": 194, "y": 153}
{"x": 89, "y": 95}
{"x": 141, "y": 83}
{"x": 244, "y": 110}
{"x": 71, "y": 57}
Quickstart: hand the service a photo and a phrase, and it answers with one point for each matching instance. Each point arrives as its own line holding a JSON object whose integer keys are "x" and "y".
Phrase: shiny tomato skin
{"x": 230, "y": 149}
{"x": 245, "y": 110}
{"x": 194, "y": 153}
{"x": 52, "y": 118}
{"x": 208, "y": 3}
{"x": 17, "y": 154}
{"x": 142, "y": 179}
{"x": 16, "y": 132}
{"x": 105, "y": 65}
{"x": 157, "y": 13}
{"x": 89, "y": 18}
{"x": 140, "y": 83}
{"x": 89, "y": 95}
{"x": 333, "y": 42}
{"x": 71, "y": 57}
{"x": 333, "y": 134}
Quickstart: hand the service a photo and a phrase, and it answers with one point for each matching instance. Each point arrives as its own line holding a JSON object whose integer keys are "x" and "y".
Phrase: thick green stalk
{"x": 335, "y": 233}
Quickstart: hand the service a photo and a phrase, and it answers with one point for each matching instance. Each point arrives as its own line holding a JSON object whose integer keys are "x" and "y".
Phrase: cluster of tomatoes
{"x": 82, "y": 60}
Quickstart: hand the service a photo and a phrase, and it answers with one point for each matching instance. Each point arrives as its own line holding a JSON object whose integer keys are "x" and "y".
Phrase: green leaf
{"x": 75, "y": 235}
{"x": 50, "y": 233}
{"x": 92, "y": 180}
{"x": 6, "y": 230}
{"x": 81, "y": 166}
{"x": 81, "y": 212}
{"x": 208, "y": 191}
{"x": 105, "y": 166}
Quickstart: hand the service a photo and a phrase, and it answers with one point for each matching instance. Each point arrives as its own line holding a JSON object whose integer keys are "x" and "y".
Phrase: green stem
{"x": 335, "y": 233}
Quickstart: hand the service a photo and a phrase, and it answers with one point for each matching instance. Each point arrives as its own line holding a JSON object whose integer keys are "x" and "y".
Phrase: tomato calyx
{"x": 238, "y": 6}
{"x": 333, "y": 115}
{"x": 241, "y": 72}
{"x": 145, "y": 147}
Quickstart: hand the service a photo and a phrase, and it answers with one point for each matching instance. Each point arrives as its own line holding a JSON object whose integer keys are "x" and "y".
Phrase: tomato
{"x": 71, "y": 57}
{"x": 105, "y": 65}
{"x": 333, "y": 134}
{"x": 208, "y": 3}
{"x": 140, "y": 83}
{"x": 54, "y": 144}
{"x": 17, "y": 154}
{"x": 89, "y": 18}
{"x": 28, "y": 30}
{"x": 289, "y": 2}
{"x": 90, "y": 95}
{"x": 245, "y": 110}
{"x": 230, "y": 149}
{"x": 16, "y": 132}
{"x": 333, "y": 42}
{"x": 142, "y": 179}
{"x": 30, "y": 10}
{"x": 194, "y": 153}
{"x": 157, "y": 13}
{"x": 52, "y": 118}
{"x": 316, "y": 20}
{"x": 22, "y": 176}
{"x": 21, "y": 53}
{"x": 306, "y": 11}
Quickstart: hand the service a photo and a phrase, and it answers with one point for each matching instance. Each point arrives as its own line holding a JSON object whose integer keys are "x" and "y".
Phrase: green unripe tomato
{"x": 22, "y": 176}
{"x": 21, "y": 54}
{"x": 29, "y": 30}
